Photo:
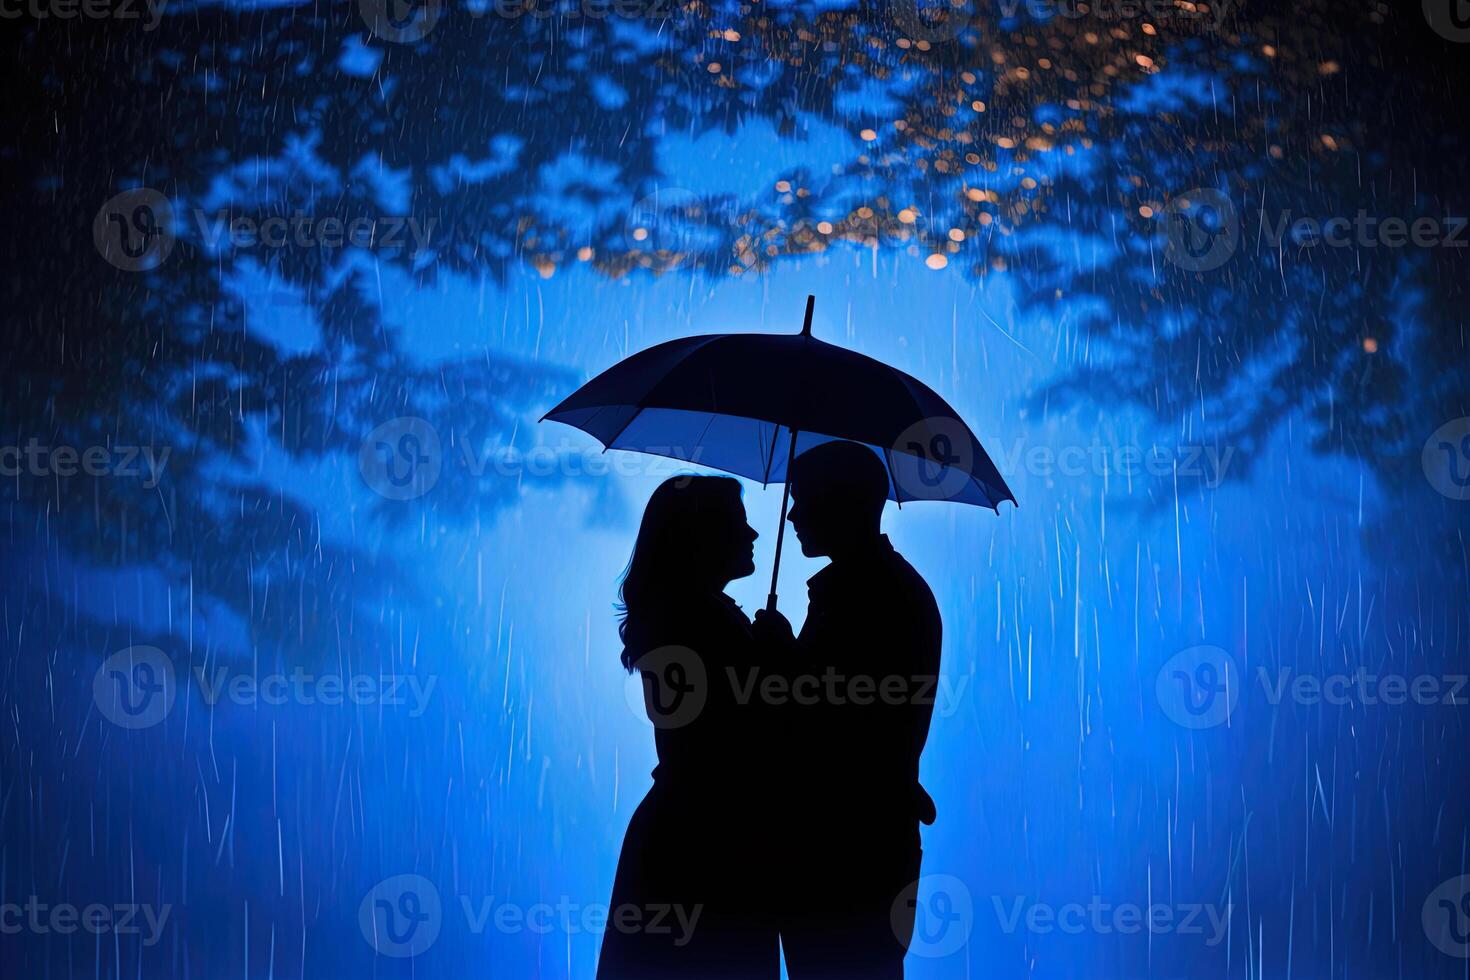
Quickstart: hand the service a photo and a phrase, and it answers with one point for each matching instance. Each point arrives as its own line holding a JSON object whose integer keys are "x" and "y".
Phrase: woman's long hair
{"x": 667, "y": 554}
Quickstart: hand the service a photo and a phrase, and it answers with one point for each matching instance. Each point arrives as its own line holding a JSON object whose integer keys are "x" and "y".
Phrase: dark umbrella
{"x": 728, "y": 401}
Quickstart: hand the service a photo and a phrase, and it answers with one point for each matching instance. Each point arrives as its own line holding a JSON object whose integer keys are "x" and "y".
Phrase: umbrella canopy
{"x": 732, "y": 401}
{"x": 750, "y": 403}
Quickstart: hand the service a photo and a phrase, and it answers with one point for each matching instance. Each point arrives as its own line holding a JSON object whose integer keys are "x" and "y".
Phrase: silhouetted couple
{"x": 786, "y": 801}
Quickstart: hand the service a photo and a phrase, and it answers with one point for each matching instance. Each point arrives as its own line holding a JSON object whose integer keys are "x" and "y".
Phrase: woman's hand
{"x": 772, "y": 629}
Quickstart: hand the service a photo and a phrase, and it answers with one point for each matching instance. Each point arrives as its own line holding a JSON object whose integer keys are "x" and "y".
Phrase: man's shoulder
{"x": 911, "y": 582}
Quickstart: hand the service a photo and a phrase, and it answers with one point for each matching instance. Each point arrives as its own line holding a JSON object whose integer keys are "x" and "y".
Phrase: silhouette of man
{"x": 863, "y": 674}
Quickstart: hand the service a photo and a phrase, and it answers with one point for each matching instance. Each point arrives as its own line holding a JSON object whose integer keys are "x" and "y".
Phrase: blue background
{"x": 1060, "y": 773}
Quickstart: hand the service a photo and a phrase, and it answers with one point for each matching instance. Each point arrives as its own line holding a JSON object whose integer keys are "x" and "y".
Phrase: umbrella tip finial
{"x": 806, "y": 327}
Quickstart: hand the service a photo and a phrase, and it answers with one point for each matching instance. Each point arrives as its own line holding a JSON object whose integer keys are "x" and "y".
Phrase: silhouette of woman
{"x": 695, "y": 846}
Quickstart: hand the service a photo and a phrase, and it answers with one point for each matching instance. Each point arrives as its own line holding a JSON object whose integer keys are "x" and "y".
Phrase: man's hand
{"x": 772, "y": 629}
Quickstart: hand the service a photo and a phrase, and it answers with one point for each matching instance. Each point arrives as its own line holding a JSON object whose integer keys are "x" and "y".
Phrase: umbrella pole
{"x": 806, "y": 331}
{"x": 781, "y": 528}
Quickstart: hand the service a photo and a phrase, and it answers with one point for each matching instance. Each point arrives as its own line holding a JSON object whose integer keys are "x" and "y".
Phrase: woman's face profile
{"x": 736, "y": 549}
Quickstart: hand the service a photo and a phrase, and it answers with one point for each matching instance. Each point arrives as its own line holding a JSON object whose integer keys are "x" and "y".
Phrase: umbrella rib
{"x": 637, "y": 411}
{"x": 897, "y": 491}
{"x": 985, "y": 491}
{"x": 992, "y": 494}
{"x": 704, "y": 430}
{"x": 683, "y": 357}
{"x": 903, "y": 379}
{"x": 771, "y": 456}
{"x": 593, "y": 418}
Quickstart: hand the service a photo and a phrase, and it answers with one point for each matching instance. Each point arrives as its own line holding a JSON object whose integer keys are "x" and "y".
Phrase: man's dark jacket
{"x": 871, "y": 639}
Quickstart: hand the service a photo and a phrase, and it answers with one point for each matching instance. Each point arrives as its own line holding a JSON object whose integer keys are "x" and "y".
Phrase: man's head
{"x": 837, "y": 495}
